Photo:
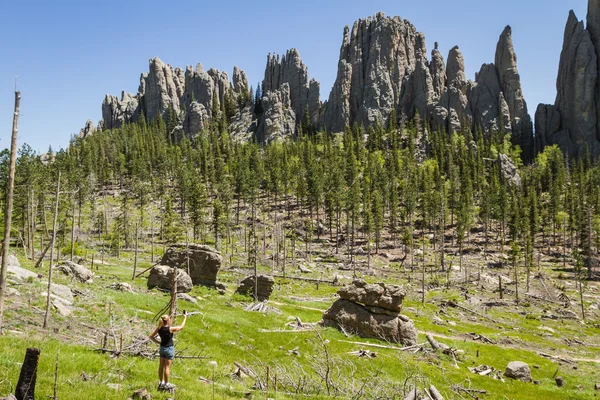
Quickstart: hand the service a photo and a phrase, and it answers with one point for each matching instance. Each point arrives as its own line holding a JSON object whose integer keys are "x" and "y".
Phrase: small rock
{"x": 141, "y": 394}
{"x": 62, "y": 309}
{"x": 560, "y": 382}
{"x": 437, "y": 320}
{"x": 187, "y": 297}
{"x": 597, "y": 386}
{"x": 536, "y": 382}
{"x": 518, "y": 370}
{"x": 12, "y": 292}
{"x": 122, "y": 287}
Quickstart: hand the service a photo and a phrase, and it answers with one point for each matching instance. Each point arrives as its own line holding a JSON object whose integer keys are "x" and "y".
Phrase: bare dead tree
{"x": 52, "y": 252}
{"x": 9, "y": 204}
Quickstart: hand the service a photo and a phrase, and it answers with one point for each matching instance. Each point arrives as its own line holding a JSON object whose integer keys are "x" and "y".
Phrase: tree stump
{"x": 26, "y": 386}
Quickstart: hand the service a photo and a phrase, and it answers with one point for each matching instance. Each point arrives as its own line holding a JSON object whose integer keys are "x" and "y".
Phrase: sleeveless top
{"x": 166, "y": 336}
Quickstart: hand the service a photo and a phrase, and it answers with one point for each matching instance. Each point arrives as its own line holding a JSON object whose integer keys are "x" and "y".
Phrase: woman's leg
{"x": 161, "y": 369}
{"x": 167, "y": 370}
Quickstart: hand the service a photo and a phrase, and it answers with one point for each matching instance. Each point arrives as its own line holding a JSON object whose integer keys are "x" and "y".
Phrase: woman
{"x": 167, "y": 349}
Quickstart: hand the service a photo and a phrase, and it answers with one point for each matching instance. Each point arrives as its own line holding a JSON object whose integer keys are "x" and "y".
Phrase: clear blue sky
{"x": 68, "y": 54}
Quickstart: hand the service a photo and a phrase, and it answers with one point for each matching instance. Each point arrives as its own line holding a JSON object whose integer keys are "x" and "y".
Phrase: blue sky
{"x": 69, "y": 54}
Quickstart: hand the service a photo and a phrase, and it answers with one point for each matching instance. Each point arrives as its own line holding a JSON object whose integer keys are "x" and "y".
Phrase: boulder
{"x": 60, "y": 293}
{"x": 76, "y": 271}
{"x": 161, "y": 276}
{"x": 265, "y": 286}
{"x": 518, "y": 370}
{"x": 204, "y": 262}
{"x": 141, "y": 394}
{"x": 15, "y": 271}
{"x": 187, "y": 297}
{"x": 357, "y": 319}
{"x": 122, "y": 287}
{"x": 387, "y": 297}
{"x": 62, "y": 308}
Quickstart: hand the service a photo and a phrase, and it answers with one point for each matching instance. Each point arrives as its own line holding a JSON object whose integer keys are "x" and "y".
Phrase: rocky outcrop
{"x": 573, "y": 122}
{"x": 204, "y": 262}
{"x": 383, "y": 67}
{"x": 508, "y": 170}
{"x": 287, "y": 95}
{"x": 378, "y": 57}
{"x": 240, "y": 80}
{"x": 190, "y": 94}
{"x": 161, "y": 276}
{"x": 279, "y": 119}
{"x": 290, "y": 69}
{"x": 195, "y": 119}
{"x": 264, "y": 287}
{"x": 117, "y": 112}
{"x": 510, "y": 84}
{"x": 88, "y": 129}
{"x": 372, "y": 311}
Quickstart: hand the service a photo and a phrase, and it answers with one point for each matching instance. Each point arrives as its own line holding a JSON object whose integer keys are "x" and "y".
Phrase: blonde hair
{"x": 163, "y": 321}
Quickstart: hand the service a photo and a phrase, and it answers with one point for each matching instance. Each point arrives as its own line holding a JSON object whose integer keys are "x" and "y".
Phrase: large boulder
{"x": 372, "y": 311}
{"x": 60, "y": 293}
{"x": 387, "y": 297}
{"x": 204, "y": 261}
{"x": 161, "y": 276}
{"x": 518, "y": 370}
{"x": 264, "y": 288}
{"x": 356, "y": 319}
{"x": 76, "y": 271}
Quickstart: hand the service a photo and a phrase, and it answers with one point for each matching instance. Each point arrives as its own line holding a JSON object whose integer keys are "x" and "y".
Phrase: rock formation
{"x": 573, "y": 122}
{"x": 88, "y": 129}
{"x": 117, "y": 112}
{"x": 279, "y": 119}
{"x": 372, "y": 311}
{"x": 287, "y": 95}
{"x": 378, "y": 57}
{"x": 204, "y": 262}
{"x": 264, "y": 289}
{"x": 76, "y": 271}
{"x": 510, "y": 84}
{"x": 161, "y": 276}
{"x": 383, "y": 70}
{"x": 383, "y": 67}
{"x": 166, "y": 88}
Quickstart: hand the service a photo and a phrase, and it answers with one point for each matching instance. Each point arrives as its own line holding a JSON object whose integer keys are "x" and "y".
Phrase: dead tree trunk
{"x": 9, "y": 204}
{"x": 26, "y": 386}
{"x": 174, "y": 293}
{"x": 52, "y": 252}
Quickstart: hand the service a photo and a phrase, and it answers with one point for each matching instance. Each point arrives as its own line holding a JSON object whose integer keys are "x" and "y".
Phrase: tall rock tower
{"x": 573, "y": 122}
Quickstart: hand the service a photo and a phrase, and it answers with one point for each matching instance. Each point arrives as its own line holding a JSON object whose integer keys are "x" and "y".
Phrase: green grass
{"x": 224, "y": 332}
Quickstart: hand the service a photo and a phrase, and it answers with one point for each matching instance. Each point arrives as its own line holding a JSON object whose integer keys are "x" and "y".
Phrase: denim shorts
{"x": 167, "y": 352}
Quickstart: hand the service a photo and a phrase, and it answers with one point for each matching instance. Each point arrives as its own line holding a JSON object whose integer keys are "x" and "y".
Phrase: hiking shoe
{"x": 161, "y": 386}
{"x": 168, "y": 386}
